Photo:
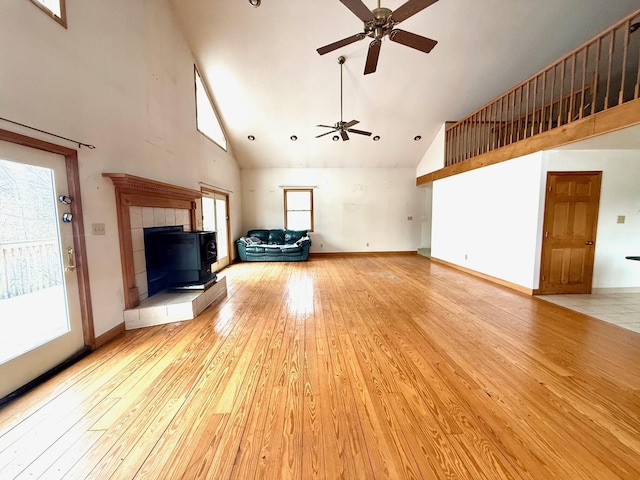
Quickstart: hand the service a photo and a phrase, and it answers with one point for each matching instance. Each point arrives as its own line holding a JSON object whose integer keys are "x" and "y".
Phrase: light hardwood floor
{"x": 344, "y": 367}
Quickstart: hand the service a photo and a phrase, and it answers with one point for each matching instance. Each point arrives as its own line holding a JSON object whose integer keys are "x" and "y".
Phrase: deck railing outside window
{"x": 601, "y": 74}
{"x": 28, "y": 267}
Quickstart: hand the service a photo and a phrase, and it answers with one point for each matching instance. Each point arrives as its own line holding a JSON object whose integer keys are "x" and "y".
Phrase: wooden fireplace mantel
{"x": 137, "y": 191}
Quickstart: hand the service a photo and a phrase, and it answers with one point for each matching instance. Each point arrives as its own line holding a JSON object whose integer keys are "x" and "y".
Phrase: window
{"x": 54, "y": 8}
{"x": 298, "y": 209}
{"x": 206, "y": 118}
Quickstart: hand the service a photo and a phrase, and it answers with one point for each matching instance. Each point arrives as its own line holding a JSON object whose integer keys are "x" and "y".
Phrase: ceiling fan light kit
{"x": 380, "y": 23}
{"x": 342, "y": 127}
{"x": 254, "y": 3}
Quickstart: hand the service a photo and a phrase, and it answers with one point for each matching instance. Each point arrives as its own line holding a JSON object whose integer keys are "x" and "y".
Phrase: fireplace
{"x": 177, "y": 259}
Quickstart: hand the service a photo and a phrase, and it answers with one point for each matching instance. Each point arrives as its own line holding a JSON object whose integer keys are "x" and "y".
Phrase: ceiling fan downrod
{"x": 341, "y": 61}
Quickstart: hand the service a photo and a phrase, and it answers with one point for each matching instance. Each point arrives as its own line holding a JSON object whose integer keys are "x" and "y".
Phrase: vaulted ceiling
{"x": 268, "y": 81}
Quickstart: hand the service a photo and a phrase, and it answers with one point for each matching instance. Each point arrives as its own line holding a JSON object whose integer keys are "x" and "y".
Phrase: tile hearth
{"x": 167, "y": 307}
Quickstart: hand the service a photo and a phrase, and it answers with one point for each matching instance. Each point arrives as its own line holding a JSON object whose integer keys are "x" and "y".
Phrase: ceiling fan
{"x": 341, "y": 126}
{"x": 379, "y": 23}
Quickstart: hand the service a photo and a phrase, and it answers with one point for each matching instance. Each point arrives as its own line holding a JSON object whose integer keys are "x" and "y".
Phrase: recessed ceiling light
{"x": 417, "y": 137}
{"x": 293, "y": 138}
{"x": 335, "y": 138}
{"x": 251, "y": 137}
{"x": 376, "y": 138}
{"x": 254, "y": 3}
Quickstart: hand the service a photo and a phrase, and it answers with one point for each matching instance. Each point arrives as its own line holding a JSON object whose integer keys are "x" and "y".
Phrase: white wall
{"x": 121, "y": 78}
{"x": 488, "y": 220}
{"x": 493, "y": 216}
{"x": 619, "y": 195}
{"x": 425, "y": 215}
{"x": 352, "y": 207}
{"x": 434, "y": 157}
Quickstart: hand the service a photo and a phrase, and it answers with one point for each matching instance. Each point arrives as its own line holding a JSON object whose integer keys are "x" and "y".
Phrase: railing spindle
{"x": 609, "y": 68}
{"x": 552, "y": 93}
{"x": 535, "y": 105}
{"x": 625, "y": 50}
{"x": 585, "y": 62}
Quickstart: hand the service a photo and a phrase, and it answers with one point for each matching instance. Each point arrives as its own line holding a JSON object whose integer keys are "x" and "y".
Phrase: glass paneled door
{"x": 40, "y": 320}
{"x": 215, "y": 217}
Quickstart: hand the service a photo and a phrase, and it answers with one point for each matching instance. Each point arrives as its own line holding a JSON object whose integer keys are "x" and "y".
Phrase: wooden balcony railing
{"x": 29, "y": 267}
{"x": 601, "y": 74}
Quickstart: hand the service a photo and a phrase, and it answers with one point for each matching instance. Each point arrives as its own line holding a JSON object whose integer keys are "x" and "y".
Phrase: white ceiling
{"x": 268, "y": 80}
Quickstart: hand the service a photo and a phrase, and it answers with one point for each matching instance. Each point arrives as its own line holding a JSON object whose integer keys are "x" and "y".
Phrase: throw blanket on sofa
{"x": 275, "y": 245}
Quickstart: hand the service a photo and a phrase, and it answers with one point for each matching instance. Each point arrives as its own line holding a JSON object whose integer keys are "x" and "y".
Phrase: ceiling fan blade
{"x": 359, "y": 9}
{"x": 409, "y": 9}
{"x": 351, "y": 123}
{"x": 412, "y": 40}
{"x": 323, "y": 134}
{"x": 359, "y": 132}
{"x": 340, "y": 43}
{"x": 327, "y": 126}
{"x": 344, "y": 135}
{"x": 372, "y": 57}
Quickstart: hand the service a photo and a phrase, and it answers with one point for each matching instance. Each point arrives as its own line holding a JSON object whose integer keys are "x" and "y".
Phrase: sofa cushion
{"x": 255, "y": 248}
{"x": 292, "y": 236}
{"x": 276, "y": 237}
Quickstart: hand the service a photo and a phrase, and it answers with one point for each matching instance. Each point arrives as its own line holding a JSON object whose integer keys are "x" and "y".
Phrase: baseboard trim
{"x": 616, "y": 290}
{"x": 362, "y": 254}
{"x": 484, "y": 276}
{"x": 110, "y": 335}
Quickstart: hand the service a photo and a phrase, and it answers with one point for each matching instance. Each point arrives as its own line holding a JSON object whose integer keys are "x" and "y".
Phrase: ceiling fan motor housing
{"x": 381, "y": 25}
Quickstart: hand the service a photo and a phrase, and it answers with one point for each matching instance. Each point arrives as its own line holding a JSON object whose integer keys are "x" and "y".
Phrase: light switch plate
{"x": 98, "y": 229}
{"x": 621, "y": 218}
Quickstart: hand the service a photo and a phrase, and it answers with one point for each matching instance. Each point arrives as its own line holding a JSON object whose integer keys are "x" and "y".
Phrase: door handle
{"x": 71, "y": 260}
{"x": 588, "y": 242}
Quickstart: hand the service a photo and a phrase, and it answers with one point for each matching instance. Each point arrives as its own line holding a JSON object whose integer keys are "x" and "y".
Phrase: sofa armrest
{"x": 306, "y": 240}
{"x": 242, "y": 249}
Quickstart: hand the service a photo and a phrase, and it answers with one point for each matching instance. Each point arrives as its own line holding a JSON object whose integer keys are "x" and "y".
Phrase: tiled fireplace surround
{"x": 145, "y": 203}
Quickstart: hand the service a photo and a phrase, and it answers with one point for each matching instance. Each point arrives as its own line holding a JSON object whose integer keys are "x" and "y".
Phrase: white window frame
{"x": 222, "y": 141}
{"x": 61, "y": 18}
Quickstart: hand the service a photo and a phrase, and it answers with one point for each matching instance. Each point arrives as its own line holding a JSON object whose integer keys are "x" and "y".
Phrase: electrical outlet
{"x": 98, "y": 229}
{"x": 466, "y": 256}
{"x": 321, "y": 245}
{"x": 409, "y": 217}
{"x": 367, "y": 244}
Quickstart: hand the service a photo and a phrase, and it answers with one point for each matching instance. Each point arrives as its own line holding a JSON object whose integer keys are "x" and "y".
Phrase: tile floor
{"x": 622, "y": 309}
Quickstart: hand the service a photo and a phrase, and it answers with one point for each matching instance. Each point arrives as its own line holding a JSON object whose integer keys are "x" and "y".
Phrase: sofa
{"x": 274, "y": 245}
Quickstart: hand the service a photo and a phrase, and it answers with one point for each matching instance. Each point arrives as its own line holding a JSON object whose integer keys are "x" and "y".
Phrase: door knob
{"x": 71, "y": 265}
{"x": 588, "y": 242}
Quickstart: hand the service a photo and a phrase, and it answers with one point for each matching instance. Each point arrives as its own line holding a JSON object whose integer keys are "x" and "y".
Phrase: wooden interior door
{"x": 570, "y": 221}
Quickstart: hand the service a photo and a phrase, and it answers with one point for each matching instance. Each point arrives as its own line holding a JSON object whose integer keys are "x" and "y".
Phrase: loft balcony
{"x": 594, "y": 89}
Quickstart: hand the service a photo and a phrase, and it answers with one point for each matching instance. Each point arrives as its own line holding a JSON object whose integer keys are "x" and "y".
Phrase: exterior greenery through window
{"x": 298, "y": 209}
{"x": 54, "y": 8}
{"x": 206, "y": 118}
